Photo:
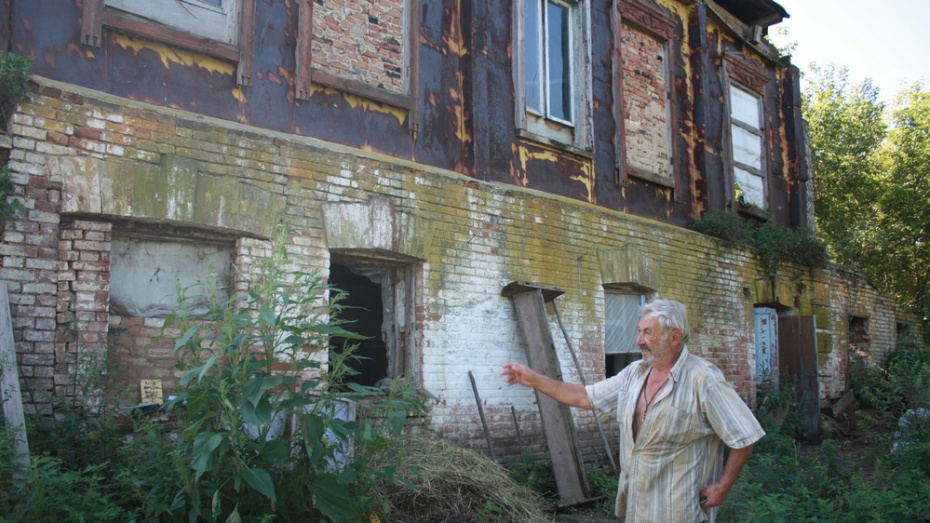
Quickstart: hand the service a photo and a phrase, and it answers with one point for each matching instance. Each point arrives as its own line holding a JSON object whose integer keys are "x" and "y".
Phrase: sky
{"x": 885, "y": 40}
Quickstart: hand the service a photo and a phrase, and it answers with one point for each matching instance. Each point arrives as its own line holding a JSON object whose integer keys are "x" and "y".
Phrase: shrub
{"x": 770, "y": 242}
{"x": 265, "y": 426}
{"x": 14, "y": 83}
{"x": 900, "y": 382}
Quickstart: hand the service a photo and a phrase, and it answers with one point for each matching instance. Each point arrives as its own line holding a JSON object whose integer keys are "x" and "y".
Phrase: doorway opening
{"x": 378, "y": 305}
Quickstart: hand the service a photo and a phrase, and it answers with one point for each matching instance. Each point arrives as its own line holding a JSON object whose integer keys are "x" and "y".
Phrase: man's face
{"x": 654, "y": 343}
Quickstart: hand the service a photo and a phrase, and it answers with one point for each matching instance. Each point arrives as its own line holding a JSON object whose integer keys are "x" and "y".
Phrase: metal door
{"x": 766, "y": 323}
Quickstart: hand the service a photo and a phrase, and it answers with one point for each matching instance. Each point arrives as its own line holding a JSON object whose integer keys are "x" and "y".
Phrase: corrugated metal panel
{"x": 621, "y": 316}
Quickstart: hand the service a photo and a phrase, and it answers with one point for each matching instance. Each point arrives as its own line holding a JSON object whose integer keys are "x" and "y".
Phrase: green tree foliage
{"x": 846, "y": 130}
{"x": 904, "y": 204}
{"x": 870, "y": 170}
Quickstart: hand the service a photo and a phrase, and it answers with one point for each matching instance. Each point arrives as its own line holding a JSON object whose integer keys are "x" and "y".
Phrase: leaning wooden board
{"x": 530, "y": 305}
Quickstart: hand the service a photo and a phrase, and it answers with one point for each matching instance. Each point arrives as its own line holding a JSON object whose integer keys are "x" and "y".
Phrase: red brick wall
{"x": 362, "y": 41}
{"x": 83, "y": 305}
{"x": 644, "y": 101}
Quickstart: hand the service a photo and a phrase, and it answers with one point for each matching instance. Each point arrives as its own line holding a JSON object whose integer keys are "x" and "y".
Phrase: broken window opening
{"x": 858, "y": 334}
{"x": 376, "y": 306}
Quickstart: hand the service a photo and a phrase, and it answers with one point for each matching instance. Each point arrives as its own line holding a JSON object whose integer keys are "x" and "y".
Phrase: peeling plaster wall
{"x": 481, "y": 237}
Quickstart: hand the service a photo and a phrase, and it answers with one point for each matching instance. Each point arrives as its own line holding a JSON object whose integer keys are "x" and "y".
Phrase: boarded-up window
{"x": 145, "y": 275}
{"x": 212, "y": 19}
{"x": 361, "y": 41}
{"x": 645, "y": 102}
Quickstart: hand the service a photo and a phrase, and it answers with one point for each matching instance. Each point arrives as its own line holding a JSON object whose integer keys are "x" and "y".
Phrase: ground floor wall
{"x": 102, "y": 176}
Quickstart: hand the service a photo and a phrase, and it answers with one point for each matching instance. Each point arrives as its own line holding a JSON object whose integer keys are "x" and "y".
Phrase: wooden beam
{"x": 837, "y": 408}
{"x": 558, "y": 425}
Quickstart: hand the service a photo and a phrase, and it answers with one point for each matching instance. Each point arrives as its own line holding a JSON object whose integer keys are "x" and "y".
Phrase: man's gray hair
{"x": 672, "y": 315}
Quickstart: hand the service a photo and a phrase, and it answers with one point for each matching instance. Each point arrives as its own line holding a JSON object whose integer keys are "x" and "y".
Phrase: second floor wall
{"x": 658, "y": 108}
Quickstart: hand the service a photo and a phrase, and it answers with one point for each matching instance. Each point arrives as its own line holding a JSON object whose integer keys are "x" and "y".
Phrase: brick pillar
{"x": 83, "y": 311}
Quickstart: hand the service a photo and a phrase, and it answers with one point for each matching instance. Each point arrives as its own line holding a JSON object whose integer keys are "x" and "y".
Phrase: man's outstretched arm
{"x": 571, "y": 394}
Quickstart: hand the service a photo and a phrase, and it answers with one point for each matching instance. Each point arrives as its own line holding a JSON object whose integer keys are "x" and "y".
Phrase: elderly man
{"x": 676, "y": 412}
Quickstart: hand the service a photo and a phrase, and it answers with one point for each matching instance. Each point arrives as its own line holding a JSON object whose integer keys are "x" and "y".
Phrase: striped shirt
{"x": 680, "y": 446}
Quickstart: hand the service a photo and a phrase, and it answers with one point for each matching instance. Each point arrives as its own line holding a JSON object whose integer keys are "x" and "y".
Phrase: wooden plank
{"x": 798, "y": 358}
{"x": 837, "y": 408}
{"x": 9, "y": 382}
{"x": 246, "y": 43}
{"x": 558, "y": 425}
{"x": 304, "y": 55}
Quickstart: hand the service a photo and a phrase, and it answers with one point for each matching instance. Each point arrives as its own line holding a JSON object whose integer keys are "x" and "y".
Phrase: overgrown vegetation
{"x": 771, "y": 243}
{"x": 842, "y": 481}
{"x": 259, "y": 429}
{"x": 14, "y": 83}
{"x": 8, "y": 206}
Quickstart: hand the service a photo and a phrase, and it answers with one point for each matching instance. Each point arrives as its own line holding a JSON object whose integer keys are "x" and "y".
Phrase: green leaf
{"x": 206, "y": 367}
{"x": 397, "y": 420}
{"x": 234, "y": 517}
{"x": 275, "y": 450}
{"x": 204, "y": 445}
{"x": 187, "y": 336}
{"x": 335, "y": 501}
{"x": 217, "y": 503}
{"x": 268, "y": 315}
{"x": 254, "y": 389}
{"x": 347, "y": 476}
{"x": 259, "y": 415}
{"x": 260, "y": 480}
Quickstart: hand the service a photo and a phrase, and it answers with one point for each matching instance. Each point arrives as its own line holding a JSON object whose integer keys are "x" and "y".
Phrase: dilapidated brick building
{"x": 429, "y": 153}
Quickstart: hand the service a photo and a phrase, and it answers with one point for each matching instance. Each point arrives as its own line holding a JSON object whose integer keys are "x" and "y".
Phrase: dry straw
{"x": 446, "y": 483}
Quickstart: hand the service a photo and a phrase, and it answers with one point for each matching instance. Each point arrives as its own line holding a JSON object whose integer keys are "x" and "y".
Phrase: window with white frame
{"x": 551, "y": 71}
{"x": 212, "y": 19}
{"x": 748, "y": 147}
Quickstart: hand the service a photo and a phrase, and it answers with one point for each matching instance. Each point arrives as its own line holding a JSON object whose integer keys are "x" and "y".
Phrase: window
{"x": 621, "y": 318}
{"x": 646, "y": 107}
{"x": 747, "y": 146}
{"x": 551, "y": 71}
{"x": 212, "y": 19}
{"x": 378, "y": 305}
{"x": 224, "y": 29}
{"x": 146, "y": 274}
{"x": 365, "y": 48}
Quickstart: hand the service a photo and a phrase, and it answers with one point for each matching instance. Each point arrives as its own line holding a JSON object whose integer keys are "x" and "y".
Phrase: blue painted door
{"x": 766, "y": 326}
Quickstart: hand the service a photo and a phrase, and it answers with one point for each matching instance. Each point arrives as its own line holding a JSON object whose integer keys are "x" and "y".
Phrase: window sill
{"x": 402, "y": 101}
{"x": 96, "y": 15}
{"x": 544, "y": 141}
{"x": 657, "y": 179}
{"x": 755, "y": 212}
{"x": 135, "y": 25}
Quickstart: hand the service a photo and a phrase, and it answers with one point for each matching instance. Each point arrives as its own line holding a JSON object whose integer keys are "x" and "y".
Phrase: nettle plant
{"x": 261, "y": 407}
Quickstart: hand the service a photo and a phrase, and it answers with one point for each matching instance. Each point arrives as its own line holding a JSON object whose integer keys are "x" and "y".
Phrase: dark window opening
{"x": 904, "y": 332}
{"x": 614, "y": 363}
{"x": 363, "y": 309}
{"x": 859, "y": 338}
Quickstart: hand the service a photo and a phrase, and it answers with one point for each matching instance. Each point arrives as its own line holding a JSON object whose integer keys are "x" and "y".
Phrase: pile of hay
{"x": 445, "y": 483}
